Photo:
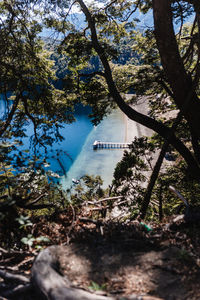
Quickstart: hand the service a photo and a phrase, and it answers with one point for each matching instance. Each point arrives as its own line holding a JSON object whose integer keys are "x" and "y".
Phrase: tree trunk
{"x": 50, "y": 283}
{"x": 10, "y": 115}
{"x": 179, "y": 80}
{"x": 158, "y": 127}
{"x": 152, "y": 180}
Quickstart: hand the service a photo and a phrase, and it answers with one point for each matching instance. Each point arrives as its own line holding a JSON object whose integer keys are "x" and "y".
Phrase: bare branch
{"x": 13, "y": 277}
{"x": 10, "y": 116}
{"x": 37, "y": 199}
{"x": 88, "y": 220}
{"x": 18, "y": 290}
{"x": 92, "y": 74}
{"x": 177, "y": 193}
{"x": 108, "y": 199}
{"x": 33, "y": 120}
{"x": 129, "y": 111}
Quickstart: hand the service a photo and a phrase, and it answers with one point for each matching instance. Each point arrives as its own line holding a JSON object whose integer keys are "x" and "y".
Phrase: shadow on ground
{"x": 125, "y": 260}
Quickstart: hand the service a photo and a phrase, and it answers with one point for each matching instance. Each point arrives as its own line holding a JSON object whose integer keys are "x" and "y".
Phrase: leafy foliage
{"x": 131, "y": 172}
{"x": 99, "y": 61}
{"x": 89, "y": 188}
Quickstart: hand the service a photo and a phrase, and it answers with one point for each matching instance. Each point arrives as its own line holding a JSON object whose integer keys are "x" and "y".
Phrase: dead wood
{"x": 177, "y": 193}
{"x": 13, "y": 277}
{"x": 108, "y": 199}
{"x": 17, "y": 291}
{"x": 47, "y": 279}
{"x": 88, "y": 220}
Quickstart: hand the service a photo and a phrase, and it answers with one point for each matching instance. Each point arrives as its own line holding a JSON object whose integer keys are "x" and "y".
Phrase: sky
{"x": 76, "y": 8}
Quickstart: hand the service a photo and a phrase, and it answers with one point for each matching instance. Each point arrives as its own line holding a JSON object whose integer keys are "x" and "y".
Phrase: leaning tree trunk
{"x": 158, "y": 127}
{"x": 152, "y": 181}
{"x": 179, "y": 80}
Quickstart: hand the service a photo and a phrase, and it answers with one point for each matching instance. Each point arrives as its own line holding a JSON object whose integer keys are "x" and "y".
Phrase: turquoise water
{"x": 100, "y": 162}
{"x": 75, "y": 157}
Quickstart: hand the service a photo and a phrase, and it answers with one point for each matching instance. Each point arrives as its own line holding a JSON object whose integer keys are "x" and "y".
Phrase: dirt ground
{"x": 132, "y": 267}
{"x": 121, "y": 260}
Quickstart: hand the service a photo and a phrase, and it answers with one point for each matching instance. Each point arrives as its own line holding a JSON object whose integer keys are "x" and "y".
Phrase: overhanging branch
{"x": 158, "y": 127}
{"x": 10, "y": 115}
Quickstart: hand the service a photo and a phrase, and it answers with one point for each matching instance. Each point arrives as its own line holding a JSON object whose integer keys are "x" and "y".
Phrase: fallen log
{"x": 48, "y": 280}
{"x": 13, "y": 277}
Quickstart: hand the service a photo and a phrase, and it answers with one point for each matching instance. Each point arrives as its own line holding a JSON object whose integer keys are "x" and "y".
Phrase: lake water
{"x": 100, "y": 162}
{"x": 75, "y": 157}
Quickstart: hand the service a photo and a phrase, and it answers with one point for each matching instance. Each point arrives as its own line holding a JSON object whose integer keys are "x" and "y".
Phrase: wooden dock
{"x": 109, "y": 145}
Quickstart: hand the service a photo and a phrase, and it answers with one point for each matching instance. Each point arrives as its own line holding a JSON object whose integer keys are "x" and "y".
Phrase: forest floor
{"x": 123, "y": 260}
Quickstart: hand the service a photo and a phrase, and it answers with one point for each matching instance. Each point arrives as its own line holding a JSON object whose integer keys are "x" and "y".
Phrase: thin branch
{"x": 30, "y": 117}
{"x": 18, "y": 290}
{"x": 37, "y": 199}
{"x": 177, "y": 193}
{"x": 197, "y": 75}
{"x": 11, "y": 21}
{"x": 3, "y": 250}
{"x": 166, "y": 88}
{"x": 130, "y": 14}
{"x": 181, "y": 27}
{"x": 10, "y": 116}
{"x": 110, "y": 4}
{"x": 88, "y": 220}
{"x": 106, "y": 199}
{"x": 92, "y": 74}
{"x": 129, "y": 111}
{"x": 159, "y": 161}
{"x": 70, "y": 8}
{"x": 13, "y": 277}
{"x": 127, "y": 16}
{"x": 33, "y": 120}
{"x": 70, "y": 228}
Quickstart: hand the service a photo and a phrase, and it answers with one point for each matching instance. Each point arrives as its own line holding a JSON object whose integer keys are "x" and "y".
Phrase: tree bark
{"x": 152, "y": 181}
{"x": 156, "y": 171}
{"x": 48, "y": 280}
{"x": 10, "y": 115}
{"x": 179, "y": 80}
{"x": 158, "y": 127}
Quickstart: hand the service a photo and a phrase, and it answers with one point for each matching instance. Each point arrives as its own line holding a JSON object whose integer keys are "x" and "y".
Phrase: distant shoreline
{"x": 134, "y": 129}
{"x": 115, "y": 128}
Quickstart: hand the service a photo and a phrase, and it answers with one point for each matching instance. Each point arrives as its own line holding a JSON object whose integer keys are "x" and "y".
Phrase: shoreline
{"x": 117, "y": 128}
{"x": 103, "y": 161}
{"x": 131, "y": 125}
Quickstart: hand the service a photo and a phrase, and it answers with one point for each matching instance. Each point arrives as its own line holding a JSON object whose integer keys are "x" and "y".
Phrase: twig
{"x": 37, "y": 199}
{"x": 98, "y": 208}
{"x": 72, "y": 224}
{"x": 108, "y": 199}
{"x": 120, "y": 203}
{"x": 26, "y": 261}
{"x": 92, "y": 74}
{"x": 88, "y": 220}
{"x": 13, "y": 277}
{"x": 177, "y": 193}
{"x": 10, "y": 116}
{"x": 3, "y": 250}
{"x": 20, "y": 289}
{"x": 15, "y": 252}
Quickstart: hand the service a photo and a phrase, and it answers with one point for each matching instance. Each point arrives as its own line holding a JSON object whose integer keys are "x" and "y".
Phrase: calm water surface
{"x": 100, "y": 162}
{"x": 75, "y": 157}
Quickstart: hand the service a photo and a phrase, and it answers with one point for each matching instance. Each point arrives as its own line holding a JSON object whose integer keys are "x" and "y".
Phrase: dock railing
{"x": 109, "y": 145}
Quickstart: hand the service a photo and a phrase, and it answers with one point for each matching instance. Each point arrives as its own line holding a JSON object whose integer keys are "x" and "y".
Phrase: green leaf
{"x": 43, "y": 239}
